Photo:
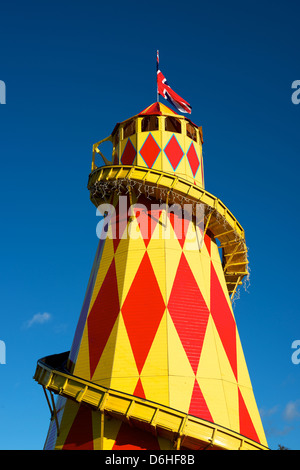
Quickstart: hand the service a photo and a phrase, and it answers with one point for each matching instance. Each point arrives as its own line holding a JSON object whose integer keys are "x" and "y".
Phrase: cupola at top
{"x": 159, "y": 139}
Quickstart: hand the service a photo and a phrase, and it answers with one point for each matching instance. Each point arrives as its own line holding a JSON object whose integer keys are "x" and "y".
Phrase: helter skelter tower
{"x": 156, "y": 361}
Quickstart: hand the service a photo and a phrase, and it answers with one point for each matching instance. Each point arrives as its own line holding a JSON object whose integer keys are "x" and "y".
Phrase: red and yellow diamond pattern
{"x": 167, "y": 151}
{"x": 157, "y": 323}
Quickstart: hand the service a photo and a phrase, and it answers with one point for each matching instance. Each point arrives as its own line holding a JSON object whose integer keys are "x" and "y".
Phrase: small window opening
{"x": 191, "y": 131}
{"x": 129, "y": 128}
{"x": 172, "y": 124}
{"x": 150, "y": 123}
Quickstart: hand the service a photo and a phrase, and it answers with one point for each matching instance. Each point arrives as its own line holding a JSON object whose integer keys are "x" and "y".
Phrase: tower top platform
{"x": 159, "y": 139}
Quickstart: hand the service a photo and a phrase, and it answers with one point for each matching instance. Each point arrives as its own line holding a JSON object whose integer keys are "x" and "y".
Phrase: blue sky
{"x": 73, "y": 69}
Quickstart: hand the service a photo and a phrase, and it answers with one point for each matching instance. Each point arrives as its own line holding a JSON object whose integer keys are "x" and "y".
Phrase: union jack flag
{"x": 166, "y": 91}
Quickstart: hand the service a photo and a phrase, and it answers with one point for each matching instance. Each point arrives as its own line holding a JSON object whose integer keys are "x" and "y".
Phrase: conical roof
{"x": 155, "y": 109}
{"x": 158, "y": 108}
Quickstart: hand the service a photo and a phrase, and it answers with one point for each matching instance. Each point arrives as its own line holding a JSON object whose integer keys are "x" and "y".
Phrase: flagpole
{"x": 166, "y": 91}
{"x": 157, "y": 63}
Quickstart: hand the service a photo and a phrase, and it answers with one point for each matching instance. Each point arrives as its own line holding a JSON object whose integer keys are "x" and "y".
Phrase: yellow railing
{"x": 184, "y": 430}
{"x": 218, "y": 219}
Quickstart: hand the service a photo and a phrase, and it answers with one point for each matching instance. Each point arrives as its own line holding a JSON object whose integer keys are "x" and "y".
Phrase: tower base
{"x": 97, "y": 418}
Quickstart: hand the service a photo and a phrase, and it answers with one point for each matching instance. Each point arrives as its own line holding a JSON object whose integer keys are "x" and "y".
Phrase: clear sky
{"x": 72, "y": 70}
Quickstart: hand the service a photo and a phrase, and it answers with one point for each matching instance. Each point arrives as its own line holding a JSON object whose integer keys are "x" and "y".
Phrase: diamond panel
{"x": 174, "y": 152}
{"x": 129, "y": 154}
{"x": 103, "y": 316}
{"x": 223, "y": 319}
{"x": 142, "y": 311}
{"x": 198, "y": 406}
{"x": 193, "y": 159}
{"x": 150, "y": 151}
{"x": 189, "y": 312}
